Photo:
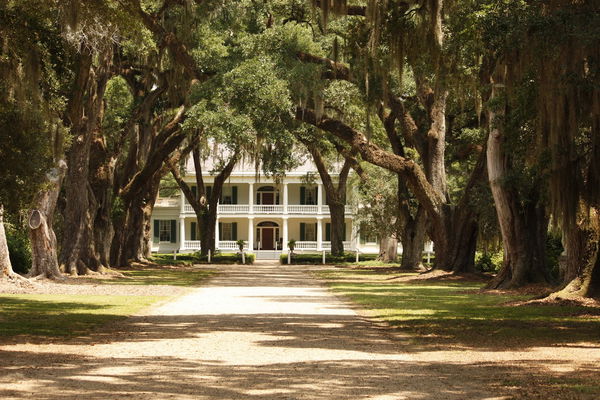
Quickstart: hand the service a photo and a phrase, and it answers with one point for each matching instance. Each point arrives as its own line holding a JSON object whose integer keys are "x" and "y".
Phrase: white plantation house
{"x": 266, "y": 215}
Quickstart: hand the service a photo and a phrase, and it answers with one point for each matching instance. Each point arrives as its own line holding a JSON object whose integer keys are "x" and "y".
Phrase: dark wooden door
{"x": 267, "y": 239}
{"x": 268, "y": 198}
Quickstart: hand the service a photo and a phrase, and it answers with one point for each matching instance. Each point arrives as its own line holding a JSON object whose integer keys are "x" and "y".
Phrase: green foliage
{"x": 317, "y": 258}
{"x": 225, "y": 258}
{"x": 489, "y": 261}
{"x": 19, "y": 248}
{"x": 65, "y": 315}
{"x": 458, "y": 313}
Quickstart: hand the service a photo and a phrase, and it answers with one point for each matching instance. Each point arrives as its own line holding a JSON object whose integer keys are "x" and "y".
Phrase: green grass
{"x": 72, "y": 315}
{"x": 163, "y": 276}
{"x": 64, "y": 315}
{"x": 456, "y": 312}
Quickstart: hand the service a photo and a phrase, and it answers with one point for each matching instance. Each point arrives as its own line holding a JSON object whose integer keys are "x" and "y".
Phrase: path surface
{"x": 260, "y": 332}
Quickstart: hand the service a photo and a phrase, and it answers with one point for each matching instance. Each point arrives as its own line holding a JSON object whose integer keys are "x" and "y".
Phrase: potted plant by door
{"x": 292, "y": 245}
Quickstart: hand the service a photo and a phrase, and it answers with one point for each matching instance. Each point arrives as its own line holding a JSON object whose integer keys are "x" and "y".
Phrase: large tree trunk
{"x": 43, "y": 239}
{"x": 78, "y": 255}
{"x": 337, "y": 212}
{"x": 6, "y": 270}
{"x": 523, "y": 225}
{"x": 413, "y": 241}
{"x": 388, "y": 249}
{"x": 207, "y": 223}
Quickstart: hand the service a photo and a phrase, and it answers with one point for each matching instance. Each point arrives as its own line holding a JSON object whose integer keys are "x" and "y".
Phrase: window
{"x": 308, "y": 195}
{"x": 308, "y": 232}
{"x": 164, "y": 230}
{"x": 228, "y": 231}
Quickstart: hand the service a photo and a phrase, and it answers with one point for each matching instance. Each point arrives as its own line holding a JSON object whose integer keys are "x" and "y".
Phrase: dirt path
{"x": 260, "y": 332}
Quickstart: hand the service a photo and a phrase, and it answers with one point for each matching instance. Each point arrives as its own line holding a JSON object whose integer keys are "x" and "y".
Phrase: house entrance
{"x": 267, "y": 195}
{"x": 267, "y": 234}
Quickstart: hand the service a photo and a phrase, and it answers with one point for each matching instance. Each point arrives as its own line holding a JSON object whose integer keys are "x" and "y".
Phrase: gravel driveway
{"x": 253, "y": 332}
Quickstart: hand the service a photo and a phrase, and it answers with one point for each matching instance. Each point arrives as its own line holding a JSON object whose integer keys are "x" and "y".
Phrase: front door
{"x": 268, "y": 198}
{"x": 267, "y": 239}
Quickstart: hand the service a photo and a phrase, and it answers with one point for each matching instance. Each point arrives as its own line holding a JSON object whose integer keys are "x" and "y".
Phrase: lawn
{"x": 173, "y": 276}
{"x": 75, "y": 314}
{"x": 64, "y": 315}
{"x": 457, "y": 312}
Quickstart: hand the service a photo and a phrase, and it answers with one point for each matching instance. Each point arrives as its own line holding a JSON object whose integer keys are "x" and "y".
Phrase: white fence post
{"x": 289, "y": 257}
{"x": 243, "y": 257}
{"x": 209, "y": 256}
{"x": 323, "y": 256}
{"x": 174, "y": 255}
{"x": 357, "y": 256}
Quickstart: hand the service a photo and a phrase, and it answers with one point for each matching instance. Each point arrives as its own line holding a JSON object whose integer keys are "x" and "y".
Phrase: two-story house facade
{"x": 264, "y": 213}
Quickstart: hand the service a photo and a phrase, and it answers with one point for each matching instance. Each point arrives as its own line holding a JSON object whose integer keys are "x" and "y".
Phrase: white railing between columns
{"x": 302, "y": 209}
{"x": 231, "y": 245}
{"x": 306, "y": 245}
{"x": 233, "y": 208}
{"x": 191, "y": 245}
{"x": 268, "y": 209}
{"x": 347, "y": 245}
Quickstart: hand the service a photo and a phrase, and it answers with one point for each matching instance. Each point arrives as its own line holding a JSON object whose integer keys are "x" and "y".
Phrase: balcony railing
{"x": 167, "y": 202}
{"x": 303, "y": 209}
{"x": 191, "y": 245}
{"x": 327, "y": 245}
{"x": 230, "y": 245}
{"x": 306, "y": 245}
{"x": 233, "y": 209}
{"x": 293, "y": 209}
{"x": 268, "y": 209}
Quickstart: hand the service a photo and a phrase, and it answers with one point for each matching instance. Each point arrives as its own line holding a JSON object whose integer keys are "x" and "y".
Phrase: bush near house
{"x": 317, "y": 258}
{"x": 225, "y": 258}
{"x": 196, "y": 258}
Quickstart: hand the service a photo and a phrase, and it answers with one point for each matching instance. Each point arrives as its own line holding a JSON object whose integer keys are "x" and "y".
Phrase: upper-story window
{"x": 308, "y": 195}
{"x": 229, "y": 195}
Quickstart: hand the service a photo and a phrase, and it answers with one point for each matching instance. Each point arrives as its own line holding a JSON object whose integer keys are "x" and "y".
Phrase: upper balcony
{"x": 269, "y": 209}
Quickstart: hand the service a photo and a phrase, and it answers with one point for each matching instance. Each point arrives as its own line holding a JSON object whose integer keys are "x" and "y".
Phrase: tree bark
{"x": 523, "y": 225}
{"x": 388, "y": 249}
{"x": 586, "y": 276}
{"x": 413, "y": 241}
{"x": 43, "y": 239}
{"x": 6, "y": 271}
{"x": 78, "y": 255}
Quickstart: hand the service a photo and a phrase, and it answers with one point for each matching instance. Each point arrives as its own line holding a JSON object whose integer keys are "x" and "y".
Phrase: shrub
{"x": 317, "y": 258}
{"x": 489, "y": 262}
{"x": 19, "y": 249}
{"x": 225, "y": 258}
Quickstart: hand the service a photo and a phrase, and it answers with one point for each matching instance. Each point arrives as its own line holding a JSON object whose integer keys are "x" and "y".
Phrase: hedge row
{"x": 317, "y": 258}
{"x": 196, "y": 258}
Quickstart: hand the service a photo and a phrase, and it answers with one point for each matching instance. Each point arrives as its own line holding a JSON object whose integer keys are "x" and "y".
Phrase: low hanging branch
{"x": 372, "y": 153}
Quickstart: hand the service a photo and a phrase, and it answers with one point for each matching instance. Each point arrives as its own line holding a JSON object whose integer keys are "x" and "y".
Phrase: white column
{"x": 181, "y": 234}
{"x": 217, "y": 234}
{"x": 284, "y": 237}
{"x": 251, "y": 235}
{"x": 320, "y": 233}
{"x": 319, "y": 197}
{"x": 251, "y": 198}
{"x": 285, "y": 199}
{"x": 182, "y": 205}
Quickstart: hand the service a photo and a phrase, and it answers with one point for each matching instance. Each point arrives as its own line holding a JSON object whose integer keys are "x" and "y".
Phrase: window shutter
{"x": 257, "y": 198}
{"x": 234, "y": 231}
{"x": 302, "y": 195}
{"x": 220, "y": 231}
{"x": 208, "y": 192}
{"x": 316, "y": 234}
{"x": 173, "y": 231}
{"x": 193, "y": 233}
{"x": 156, "y": 233}
{"x": 234, "y": 195}
{"x": 302, "y": 231}
{"x": 327, "y": 232}
{"x": 195, "y": 192}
